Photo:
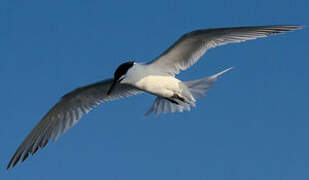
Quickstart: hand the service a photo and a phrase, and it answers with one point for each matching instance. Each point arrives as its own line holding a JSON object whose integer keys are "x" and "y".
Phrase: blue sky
{"x": 252, "y": 125}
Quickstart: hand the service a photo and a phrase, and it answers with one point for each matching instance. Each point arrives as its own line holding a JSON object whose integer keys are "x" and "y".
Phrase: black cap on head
{"x": 120, "y": 71}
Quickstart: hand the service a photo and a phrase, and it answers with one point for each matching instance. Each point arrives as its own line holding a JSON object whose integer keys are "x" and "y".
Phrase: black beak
{"x": 111, "y": 88}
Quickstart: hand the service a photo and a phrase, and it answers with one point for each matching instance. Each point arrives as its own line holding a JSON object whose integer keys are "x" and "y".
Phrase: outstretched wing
{"x": 190, "y": 47}
{"x": 66, "y": 113}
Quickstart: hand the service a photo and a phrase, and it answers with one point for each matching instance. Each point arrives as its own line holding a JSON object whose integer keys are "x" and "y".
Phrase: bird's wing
{"x": 66, "y": 113}
{"x": 190, "y": 47}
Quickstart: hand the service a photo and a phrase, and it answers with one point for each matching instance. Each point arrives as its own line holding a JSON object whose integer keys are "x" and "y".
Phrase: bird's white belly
{"x": 165, "y": 86}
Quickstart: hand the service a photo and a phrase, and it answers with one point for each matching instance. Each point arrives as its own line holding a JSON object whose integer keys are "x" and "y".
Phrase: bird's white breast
{"x": 165, "y": 86}
{"x": 150, "y": 80}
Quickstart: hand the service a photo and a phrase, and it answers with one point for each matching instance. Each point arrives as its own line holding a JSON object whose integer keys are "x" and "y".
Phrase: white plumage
{"x": 156, "y": 77}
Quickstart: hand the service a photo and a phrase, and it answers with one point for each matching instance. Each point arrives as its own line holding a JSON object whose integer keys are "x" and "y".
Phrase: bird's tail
{"x": 198, "y": 88}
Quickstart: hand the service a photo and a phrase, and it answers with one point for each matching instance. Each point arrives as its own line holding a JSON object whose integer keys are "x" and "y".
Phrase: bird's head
{"x": 120, "y": 74}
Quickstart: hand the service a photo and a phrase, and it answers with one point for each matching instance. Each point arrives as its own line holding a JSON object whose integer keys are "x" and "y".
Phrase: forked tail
{"x": 198, "y": 88}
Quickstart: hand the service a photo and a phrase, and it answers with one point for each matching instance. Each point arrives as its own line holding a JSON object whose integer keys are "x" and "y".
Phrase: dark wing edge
{"x": 67, "y": 113}
{"x": 191, "y": 46}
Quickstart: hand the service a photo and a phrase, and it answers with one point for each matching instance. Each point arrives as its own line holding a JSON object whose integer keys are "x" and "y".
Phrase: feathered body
{"x": 158, "y": 83}
{"x": 156, "y": 77}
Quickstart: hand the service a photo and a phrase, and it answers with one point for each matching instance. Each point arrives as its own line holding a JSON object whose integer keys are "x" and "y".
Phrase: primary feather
{"x": 180, "y": 56}
{"x": 191, "y": 46}
{"x": 66, "y": 113}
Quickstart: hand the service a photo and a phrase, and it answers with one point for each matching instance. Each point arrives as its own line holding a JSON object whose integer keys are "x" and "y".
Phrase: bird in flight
{"x": 156, "y": 77}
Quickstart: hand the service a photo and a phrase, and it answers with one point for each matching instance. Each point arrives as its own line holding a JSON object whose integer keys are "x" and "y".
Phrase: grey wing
{"x": 190, "y": 47}
{"x": 66, "y": 113}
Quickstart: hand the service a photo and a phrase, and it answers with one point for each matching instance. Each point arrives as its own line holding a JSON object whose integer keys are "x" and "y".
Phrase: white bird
{"x": 156, "y": 77}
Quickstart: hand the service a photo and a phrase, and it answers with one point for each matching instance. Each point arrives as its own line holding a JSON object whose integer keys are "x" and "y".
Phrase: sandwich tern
{"x": 156, "y": 77}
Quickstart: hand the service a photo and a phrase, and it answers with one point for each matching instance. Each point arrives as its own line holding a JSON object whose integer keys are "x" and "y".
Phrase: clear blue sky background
{"x": 252, "y": 125}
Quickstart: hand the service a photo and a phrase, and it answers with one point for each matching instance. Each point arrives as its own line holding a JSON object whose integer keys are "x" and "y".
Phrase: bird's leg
{"x": 172, "y": 101}
{"x": 176, "y": 98}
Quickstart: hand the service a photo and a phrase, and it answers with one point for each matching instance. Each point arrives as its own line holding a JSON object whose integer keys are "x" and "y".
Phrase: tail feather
{"x": 162, "y": 105}
{"x": 198, "y": 88}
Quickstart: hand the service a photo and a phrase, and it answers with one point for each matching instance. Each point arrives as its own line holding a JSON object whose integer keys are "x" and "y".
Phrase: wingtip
{"x": 300, "y": 26}
{"x": 297, "y": 27}
{"x": 279, "y": 29}
{"x": 10, "y": 163}
{"x": 291, "y": 27}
